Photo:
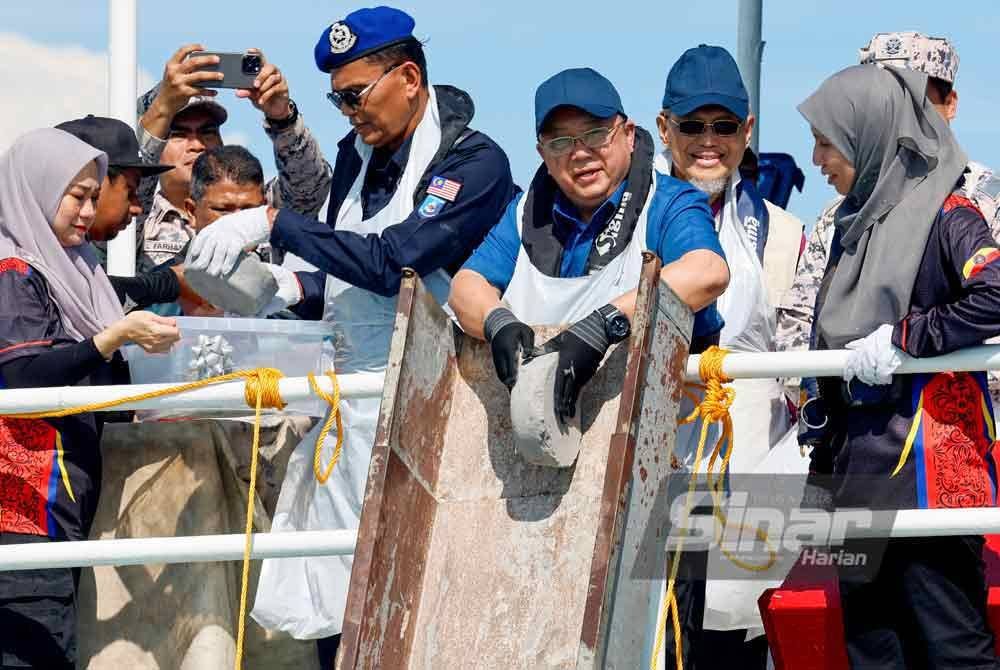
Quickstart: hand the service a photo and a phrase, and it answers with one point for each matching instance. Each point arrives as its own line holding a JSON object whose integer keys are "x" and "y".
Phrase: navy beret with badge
{"x": 361, "y": 33}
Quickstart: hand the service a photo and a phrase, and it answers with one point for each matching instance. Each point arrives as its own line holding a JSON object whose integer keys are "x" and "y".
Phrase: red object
{"x": 955, "y": 200}
{"x": 804, "y": 624}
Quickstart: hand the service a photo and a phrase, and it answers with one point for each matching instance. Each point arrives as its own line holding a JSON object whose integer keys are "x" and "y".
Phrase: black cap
{"x": 115, "y": 139}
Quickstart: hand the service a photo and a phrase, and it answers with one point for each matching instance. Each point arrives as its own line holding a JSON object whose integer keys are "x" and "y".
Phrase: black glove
{"x": 581, "y": 348}
{"x": 510, "y": 342}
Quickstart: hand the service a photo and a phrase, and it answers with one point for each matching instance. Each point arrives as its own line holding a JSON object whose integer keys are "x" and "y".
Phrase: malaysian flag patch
{"x": 445, "y": 189}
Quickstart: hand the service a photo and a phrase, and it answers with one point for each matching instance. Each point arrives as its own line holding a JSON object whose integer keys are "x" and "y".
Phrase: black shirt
{"x": 385, "y": 168}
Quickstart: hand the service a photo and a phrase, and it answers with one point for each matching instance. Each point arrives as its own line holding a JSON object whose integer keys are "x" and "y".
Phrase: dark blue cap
{"x": 361, "y": 33}
{"x": 579, "y": 87}
{"x": 706, "y": 76}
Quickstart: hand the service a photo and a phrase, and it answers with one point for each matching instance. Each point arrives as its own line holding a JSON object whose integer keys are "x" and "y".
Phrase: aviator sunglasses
{"x": 355, "y": 98}
{"x": 722, "y": 127}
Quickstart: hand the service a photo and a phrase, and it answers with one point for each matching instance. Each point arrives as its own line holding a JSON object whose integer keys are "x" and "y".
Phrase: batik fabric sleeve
{"x": 49, "y": 468}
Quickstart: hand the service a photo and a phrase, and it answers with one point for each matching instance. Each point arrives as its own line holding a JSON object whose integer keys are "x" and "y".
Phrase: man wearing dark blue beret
{"x": 413, "y": 186}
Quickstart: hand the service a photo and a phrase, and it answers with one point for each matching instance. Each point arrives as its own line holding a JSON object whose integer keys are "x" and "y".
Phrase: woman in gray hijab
{"x": 60, "y": 324}
{"x": 914, "y": 271}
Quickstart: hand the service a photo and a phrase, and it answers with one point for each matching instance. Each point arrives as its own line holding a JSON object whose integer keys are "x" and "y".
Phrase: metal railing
{"x": 907, "y": 523}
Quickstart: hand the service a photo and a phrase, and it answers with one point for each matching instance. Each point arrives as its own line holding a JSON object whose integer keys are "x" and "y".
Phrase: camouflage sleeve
{"x": 795, "y": 314}
{"x": 304, "y": 176}
{"x": 150, "y": 149}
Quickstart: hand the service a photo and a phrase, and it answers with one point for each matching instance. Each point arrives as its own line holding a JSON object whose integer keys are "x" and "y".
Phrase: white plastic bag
{"x": 731, "y": 604}
{"x": 306, "y": 597}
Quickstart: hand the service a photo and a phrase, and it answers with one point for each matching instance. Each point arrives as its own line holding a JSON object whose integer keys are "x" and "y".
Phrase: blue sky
{"x": 500, "y": 51}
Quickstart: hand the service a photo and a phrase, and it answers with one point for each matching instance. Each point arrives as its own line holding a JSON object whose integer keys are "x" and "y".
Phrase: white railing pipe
{"x": 227, "y": 395}
{"x": 203, "y": 548}
{"x": 831, "y": 363}
{"x": 937, "y": 523}
{"x": 188, "y": 549}
{"x": 230, "y": 395}
{"x": 122, "y": 78}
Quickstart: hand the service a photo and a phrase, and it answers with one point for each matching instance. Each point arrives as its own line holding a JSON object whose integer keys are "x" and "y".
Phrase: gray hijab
{"x": 907, "y": 162}
{"x": 34, "y": 174}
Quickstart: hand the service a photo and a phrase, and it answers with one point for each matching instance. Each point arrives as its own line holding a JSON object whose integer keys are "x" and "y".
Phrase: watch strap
{"x": 277, "y": 125}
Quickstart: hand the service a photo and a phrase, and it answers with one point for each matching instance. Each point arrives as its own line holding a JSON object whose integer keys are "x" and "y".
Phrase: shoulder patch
{"x": 13, "y": 264}
{"x": 431, "y": 206}
{"x": 445, "y": 189}
{"x": 979, "y": 260}
{"x": 955, "y": 200}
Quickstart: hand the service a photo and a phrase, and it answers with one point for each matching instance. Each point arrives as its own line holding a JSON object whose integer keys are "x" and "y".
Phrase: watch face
{"x": 618, "y": 328}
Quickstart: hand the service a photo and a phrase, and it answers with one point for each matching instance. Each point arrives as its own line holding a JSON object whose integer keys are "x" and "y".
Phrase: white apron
{"x": 569, "y": 299}
{"x": 537, "y": 299}
{"x": 306, "y": 597}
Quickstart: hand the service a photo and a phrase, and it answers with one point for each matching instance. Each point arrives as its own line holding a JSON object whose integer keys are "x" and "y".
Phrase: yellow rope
{"x": 713, "y": 407}
{"x": 261, "y": 391}
{"x": 333, "y": 417}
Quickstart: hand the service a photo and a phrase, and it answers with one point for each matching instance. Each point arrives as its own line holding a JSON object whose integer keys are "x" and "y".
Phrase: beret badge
{"x": 341, "y": 38}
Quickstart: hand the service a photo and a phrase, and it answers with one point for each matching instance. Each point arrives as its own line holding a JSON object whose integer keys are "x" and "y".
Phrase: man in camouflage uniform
{"x": 179, "y": 119}
{"x": 936, "y": 57}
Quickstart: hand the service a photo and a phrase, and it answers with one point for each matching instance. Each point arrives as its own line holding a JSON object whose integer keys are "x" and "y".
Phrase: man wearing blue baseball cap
{"x": 413, "y": 186}
{"x": 570, "y": 250}
{"x": 705, "y": 125}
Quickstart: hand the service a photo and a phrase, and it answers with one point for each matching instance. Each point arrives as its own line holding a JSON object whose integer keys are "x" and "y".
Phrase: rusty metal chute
{"x": 468, "y": 557}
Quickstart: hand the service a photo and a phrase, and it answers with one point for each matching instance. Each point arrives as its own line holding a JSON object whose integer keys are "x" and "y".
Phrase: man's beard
{"x": 711, "y": 187}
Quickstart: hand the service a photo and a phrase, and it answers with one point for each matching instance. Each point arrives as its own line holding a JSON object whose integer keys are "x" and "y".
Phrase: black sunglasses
{"x": 722, "y": 127}
{"x": 355, "y": 98}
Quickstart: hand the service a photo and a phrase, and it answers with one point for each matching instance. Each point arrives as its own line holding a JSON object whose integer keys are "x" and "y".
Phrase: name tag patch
{"x": 431, "y": 206}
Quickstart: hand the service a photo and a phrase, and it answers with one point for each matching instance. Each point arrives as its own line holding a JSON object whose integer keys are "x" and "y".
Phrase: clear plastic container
{"x": 238, "y": 344}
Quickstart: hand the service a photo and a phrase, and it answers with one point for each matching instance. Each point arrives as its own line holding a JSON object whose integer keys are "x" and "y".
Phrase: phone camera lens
{"x": 251, "y": 64}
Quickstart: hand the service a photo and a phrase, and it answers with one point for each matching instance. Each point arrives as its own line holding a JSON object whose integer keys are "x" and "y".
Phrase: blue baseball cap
{"x": 582, "y": 88}
{"x": 706, "y": 76}
{"x": 360, "y": 33}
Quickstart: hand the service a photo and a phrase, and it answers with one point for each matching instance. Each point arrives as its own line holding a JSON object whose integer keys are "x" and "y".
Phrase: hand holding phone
{"x": 184, "y": 76}
{"x": 239, "y": 70}
{"x": 270, "y": 92}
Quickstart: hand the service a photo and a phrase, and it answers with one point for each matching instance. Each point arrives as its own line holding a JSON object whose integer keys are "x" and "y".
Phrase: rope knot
{"x": 261, "y": 389}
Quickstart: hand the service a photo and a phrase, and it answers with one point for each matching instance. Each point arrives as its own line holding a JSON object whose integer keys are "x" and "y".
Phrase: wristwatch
{"x": 616, "y": 324}
{"x": 277, "y": 125}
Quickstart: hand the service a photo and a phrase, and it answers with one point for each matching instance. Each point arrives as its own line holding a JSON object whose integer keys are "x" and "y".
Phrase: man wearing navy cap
{"x": 570, "y": 250}
{"x": 706, "y": 125}
{"x": 413, "y": 186}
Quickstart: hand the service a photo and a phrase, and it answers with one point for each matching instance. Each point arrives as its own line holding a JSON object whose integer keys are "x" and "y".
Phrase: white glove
{"x": 873, "y": 358}
{"x": 289, "y": 290}
{"x": 216, "y": 248}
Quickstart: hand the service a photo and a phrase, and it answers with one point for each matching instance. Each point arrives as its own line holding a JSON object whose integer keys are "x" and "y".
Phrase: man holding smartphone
{"x": 413, "y": 186}
{"x": 180, "y": 119}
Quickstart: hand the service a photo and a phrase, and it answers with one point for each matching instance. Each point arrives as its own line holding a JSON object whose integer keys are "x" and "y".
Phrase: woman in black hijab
{"x": 913, "y": 270}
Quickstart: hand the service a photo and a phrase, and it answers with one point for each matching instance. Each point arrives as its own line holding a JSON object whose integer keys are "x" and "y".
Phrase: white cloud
{"x": 46, "y": 84}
